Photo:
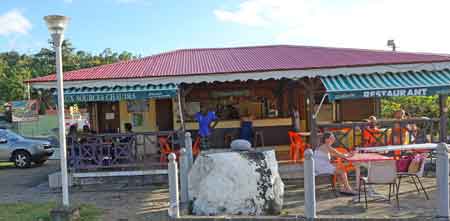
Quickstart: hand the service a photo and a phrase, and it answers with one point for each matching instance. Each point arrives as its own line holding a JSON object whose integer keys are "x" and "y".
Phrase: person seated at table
{"x": 323, "y": 165}
{"x": 86, "y": 129}
{"x": 72, "y": 136}
{"x": 418, "y": 136}
{"x": 295, "y": 116}
{"x": 399, "y": 133}
{"x": 128, "y": 128}
{"x": 246, "y": 131}
{"x": 85, "y": 133}
{"x": 371, "y": 133}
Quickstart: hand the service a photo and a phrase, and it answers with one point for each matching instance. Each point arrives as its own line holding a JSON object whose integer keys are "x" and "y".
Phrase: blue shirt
{"x": 204, "y": 121}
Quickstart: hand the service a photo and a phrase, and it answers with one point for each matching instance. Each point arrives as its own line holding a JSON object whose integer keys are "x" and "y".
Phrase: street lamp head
{"x": 56, "y": 23}
{"x": 390, "y": 43}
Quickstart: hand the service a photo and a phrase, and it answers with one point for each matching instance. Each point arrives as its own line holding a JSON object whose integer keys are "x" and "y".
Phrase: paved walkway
{"x": 14, "y": 181}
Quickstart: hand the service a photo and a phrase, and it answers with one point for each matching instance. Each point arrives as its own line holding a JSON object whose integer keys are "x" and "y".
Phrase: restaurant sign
{"x": 340, "y": 95}
{"x": 117, "y": 96}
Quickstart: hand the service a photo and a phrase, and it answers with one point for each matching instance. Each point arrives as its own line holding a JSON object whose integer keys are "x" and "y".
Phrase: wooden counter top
{"x": 268, "y": 122}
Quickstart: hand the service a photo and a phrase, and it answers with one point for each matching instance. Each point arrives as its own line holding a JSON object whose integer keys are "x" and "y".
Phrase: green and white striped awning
{"x": 117, "y": 93}
{"x": 421, "y": 83}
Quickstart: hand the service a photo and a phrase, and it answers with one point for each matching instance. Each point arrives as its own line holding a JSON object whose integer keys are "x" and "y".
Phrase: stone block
{"x": 236, "y": 183}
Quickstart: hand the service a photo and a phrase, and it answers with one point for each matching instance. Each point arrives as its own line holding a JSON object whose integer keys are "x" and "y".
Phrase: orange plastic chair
{"x": 340, "y": 163}
{"x": 297, "y": 146}
{"x": 165, "y": 150}
{"x": 371, "y": 137}
{"x": 196, "y": 147}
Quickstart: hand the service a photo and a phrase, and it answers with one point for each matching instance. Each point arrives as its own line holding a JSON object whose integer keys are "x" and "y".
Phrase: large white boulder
{"x": 236, "y": 183}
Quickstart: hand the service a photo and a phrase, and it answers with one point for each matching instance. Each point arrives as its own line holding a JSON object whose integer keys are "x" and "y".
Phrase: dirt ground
{"x": 412, "y": 203}
{"x": 118, "y": 202}
{"x": 122, "y": 202}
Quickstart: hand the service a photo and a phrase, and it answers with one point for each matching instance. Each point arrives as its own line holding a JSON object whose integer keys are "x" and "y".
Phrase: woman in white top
{"x": 322, "y": 162}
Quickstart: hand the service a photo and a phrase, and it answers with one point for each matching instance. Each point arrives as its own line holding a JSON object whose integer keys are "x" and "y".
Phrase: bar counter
{"x": 274, "y": 130}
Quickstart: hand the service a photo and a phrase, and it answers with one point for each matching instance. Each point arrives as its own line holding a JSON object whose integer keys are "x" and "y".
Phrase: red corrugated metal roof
{"x": 243, "y": 59}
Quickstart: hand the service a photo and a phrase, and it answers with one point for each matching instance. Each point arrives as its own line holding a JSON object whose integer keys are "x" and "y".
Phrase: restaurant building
{"x": 325, "y": 85}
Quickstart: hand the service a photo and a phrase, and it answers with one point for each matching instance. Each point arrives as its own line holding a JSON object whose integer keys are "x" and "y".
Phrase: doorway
{"x": 108, "y": 117}
{"x": 164, "y": 114}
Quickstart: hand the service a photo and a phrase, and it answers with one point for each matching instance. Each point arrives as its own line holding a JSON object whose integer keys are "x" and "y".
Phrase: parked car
{"x": 23, "y": 151}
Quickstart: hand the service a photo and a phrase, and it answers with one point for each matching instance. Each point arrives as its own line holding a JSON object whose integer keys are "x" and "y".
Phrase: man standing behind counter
{"x": 206, "y": 121}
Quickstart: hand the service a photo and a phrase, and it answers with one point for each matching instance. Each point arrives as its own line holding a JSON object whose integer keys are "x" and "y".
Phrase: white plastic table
{"x": 425, "y": 146}
{"x": 360, "y": 159}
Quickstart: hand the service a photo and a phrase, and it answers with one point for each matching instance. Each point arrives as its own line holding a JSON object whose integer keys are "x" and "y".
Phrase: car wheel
{"x": 22, "y": 159}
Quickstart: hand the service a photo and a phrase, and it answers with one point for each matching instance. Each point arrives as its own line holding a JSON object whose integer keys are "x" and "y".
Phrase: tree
{"x": 417, "y": 106}
{"x": 15, "y": 68}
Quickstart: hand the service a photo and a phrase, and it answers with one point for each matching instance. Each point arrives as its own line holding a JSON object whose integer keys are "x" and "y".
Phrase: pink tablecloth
{"x": 367, "y": 157}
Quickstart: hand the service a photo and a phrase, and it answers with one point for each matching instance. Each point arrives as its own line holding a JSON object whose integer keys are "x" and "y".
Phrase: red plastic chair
{"x": 165, "y": 150}
{"x": 297, "y": 146}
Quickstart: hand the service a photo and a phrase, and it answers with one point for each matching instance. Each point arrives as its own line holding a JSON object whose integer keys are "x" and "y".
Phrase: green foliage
{"x": 419, "y": 106}
{"x": 416, "y": 106}
{"x": 15, "y": 68}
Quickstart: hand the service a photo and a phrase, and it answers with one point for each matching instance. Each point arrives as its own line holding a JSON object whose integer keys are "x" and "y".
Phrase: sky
{"x": 147, "y": 27}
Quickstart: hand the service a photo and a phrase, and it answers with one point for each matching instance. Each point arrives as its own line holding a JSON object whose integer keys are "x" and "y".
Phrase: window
{"x": 137, "y": 106}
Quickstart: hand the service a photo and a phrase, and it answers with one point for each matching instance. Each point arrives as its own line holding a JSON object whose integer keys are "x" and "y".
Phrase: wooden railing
{"x": 118, "y": 151}
{"x": 386, "y": 132}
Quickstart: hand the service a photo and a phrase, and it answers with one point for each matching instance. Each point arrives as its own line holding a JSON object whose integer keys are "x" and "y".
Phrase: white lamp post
{"x": 56, "y": 25}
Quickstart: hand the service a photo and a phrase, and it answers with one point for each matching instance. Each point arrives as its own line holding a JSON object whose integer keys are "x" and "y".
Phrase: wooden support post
{"x": 443, "y": 132}
{"x": 278, "y": 93}
{"x": 291, "y": 95}
{"x": 310, "y": 88}
{"x": 180, "y": 108}
{"x": 293, "y": 106}
{"x": 313, "y": 141}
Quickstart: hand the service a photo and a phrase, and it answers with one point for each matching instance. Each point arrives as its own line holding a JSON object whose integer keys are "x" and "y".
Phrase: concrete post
{"x": 442, "y": 181}
{"x": 174, "y": 208}
{"x": 188, "y": 146}
{"x": 310, "y": 185}
{"x": 184, "y": 170}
